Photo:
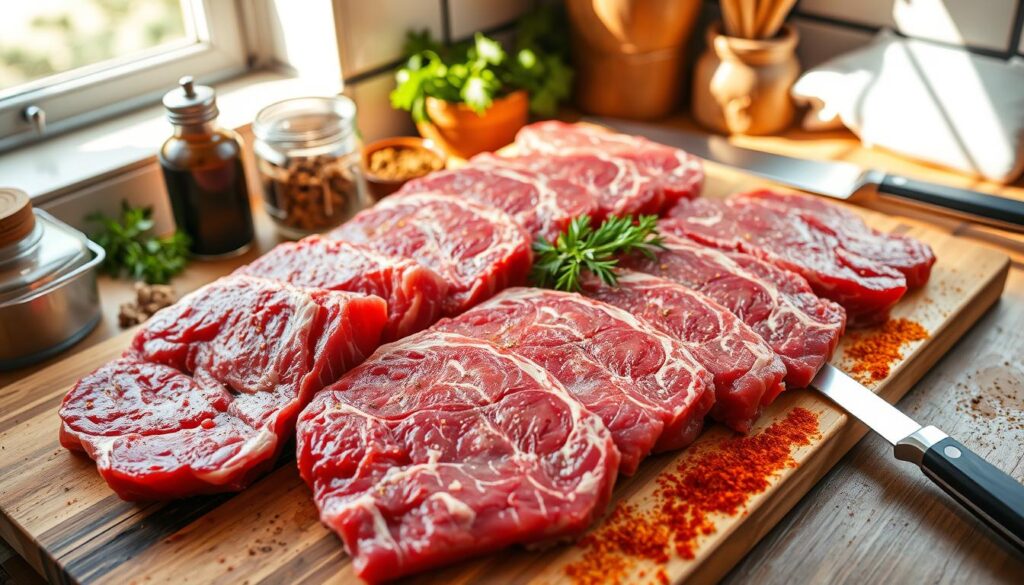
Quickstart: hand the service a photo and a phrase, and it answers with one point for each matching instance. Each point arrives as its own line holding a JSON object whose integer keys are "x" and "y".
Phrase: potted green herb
{"x": 474, "y": 96}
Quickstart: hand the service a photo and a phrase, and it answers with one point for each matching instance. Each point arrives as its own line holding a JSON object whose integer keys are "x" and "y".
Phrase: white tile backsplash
{"x": 374, "y": 115}
{"x": 820, "y": 42}
{"x": 988, "y": 24}
{"x": 470, "y": 16}
{"x": 870, "y": 12}
{"x": 373, "y": 31}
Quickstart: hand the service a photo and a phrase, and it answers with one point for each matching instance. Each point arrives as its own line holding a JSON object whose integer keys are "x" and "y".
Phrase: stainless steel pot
{"x": 54, "y": 308}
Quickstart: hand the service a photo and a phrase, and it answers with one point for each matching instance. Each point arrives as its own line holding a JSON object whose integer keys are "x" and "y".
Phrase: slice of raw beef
{"x": 617, "y": 184}
{"x": 779, "y": 305}
{"x": 541, "y": 205}
{"x": 674, "y": 172}
{"x": 747, "y": 372}
{"x": 414, "y": 293}
{"x": 210, "y": 388}
{"x": 476, "y": 248}
{"x": 646, "y": 387}
{"x": 910, "y": 256}
{"x": 441, "y": 447}
{"x": 845, "y": 266}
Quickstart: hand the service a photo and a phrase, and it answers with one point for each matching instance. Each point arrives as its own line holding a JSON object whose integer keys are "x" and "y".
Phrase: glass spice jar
{"x": 307, "y": 153}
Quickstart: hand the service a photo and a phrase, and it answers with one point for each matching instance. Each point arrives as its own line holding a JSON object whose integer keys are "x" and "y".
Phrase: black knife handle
{"x": 1001, "y": 209}
{"x": 991, "y": 495}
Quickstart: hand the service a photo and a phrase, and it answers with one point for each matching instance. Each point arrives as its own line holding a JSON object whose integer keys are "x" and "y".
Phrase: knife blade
{"x": 991, "y": 495}
{"x": 839, "y": 180}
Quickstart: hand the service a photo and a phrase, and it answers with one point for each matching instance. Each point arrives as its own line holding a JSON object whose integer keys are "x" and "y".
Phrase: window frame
{"x": 82, "y": 96}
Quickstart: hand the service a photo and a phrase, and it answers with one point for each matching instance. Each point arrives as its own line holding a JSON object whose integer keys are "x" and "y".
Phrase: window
{"x": 65, "y": 63}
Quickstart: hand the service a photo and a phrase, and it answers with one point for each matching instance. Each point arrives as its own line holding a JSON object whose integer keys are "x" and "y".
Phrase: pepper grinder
{"x": 202, "y": 168}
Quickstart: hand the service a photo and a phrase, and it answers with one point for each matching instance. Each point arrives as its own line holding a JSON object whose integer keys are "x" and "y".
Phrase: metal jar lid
{"x": 16, "y": 218}
{"x": 190, "y": 104}
{"x": 43, "y": 251}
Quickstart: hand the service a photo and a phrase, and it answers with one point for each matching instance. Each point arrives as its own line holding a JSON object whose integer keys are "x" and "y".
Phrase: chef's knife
{"x": 839, "y": 180}
{"x": 991, "y": 495}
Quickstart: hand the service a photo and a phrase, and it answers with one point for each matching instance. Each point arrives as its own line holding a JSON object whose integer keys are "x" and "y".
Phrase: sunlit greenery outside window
{"x": 41, "y": 38}
{"x": 66, "y": 63}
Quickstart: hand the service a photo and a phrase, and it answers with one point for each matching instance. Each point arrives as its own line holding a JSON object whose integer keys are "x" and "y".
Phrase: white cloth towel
{"x": 935, "y": 103}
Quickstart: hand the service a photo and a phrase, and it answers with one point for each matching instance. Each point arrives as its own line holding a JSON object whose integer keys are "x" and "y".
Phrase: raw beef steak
{"x": 746, "y": 371}
{"x": 847, "y": 266}
{"x": 646, "y": 387}
{"x": 478, "y": 249}
{"x": 441, "y": 447}
{"x": 910, "y": 256}
{"x": 540, "y": 205}
{"x": 674, "y": 172}
{"x": 210, "y": 388}
{"x": 779, "y": 305}
{"x": 617, "y": 184}
{"x": 414, "y": 293}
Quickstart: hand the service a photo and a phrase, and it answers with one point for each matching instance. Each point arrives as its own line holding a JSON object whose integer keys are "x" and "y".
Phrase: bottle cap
{"x": 190, "y": 104}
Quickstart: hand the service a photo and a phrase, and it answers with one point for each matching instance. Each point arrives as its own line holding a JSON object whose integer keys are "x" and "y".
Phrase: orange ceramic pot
{"x": 461, "y": 132}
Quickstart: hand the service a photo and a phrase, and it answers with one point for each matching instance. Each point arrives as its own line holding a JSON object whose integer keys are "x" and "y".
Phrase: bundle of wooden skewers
{"x": 755, "y": 19}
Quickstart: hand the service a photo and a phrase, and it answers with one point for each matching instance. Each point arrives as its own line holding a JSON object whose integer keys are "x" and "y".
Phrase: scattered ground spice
{"x": 874, "y": 353}
{"x": 716, "y": 481}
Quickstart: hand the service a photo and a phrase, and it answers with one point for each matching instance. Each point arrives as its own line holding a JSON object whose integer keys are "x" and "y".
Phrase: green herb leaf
{"x": 560, "y": 265}
{"x": 130, "y": 249}
{"x": 478, "y": 71}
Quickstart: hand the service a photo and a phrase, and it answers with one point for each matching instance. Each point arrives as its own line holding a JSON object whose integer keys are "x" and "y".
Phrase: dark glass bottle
{"x": 202, "y": 168}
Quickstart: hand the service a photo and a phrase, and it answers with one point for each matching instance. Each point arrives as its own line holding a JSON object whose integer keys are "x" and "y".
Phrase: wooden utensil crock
{"x": 741, "y": 86}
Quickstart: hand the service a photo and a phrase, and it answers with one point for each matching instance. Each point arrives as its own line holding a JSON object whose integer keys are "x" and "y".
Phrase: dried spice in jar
{"x": 307, "y": 153}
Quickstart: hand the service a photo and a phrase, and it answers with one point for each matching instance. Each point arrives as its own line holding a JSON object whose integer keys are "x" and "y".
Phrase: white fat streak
{"x": 736, "y": 329}
{"x": 587, "y": 428}
{"x": 256, "y": 448}
{"x": 781, "y": 302}
{"x": 507, "y": 237}
{"x": 676, "y": 354}
{"x": 456, "y": 507}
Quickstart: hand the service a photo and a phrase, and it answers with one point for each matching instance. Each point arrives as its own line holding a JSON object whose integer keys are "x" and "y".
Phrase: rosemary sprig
{"x": 581, "y": 247}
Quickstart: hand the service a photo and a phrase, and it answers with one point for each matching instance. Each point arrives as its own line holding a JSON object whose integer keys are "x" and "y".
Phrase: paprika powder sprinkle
{"x": 874, "y": 353}
{"x": 718, "y": 480}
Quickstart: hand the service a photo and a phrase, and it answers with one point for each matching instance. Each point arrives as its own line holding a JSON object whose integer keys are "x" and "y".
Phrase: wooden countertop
{"x": 872, "y": 518}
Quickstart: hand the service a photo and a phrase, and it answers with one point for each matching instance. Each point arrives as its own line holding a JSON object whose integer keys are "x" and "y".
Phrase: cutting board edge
{"x": 764, "y": 518}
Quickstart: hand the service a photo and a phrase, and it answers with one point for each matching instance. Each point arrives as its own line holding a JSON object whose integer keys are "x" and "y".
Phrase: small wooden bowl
{"x": 381, "y": 187}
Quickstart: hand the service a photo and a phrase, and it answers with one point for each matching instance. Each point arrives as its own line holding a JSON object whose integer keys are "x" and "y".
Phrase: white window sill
{"x": 72, "y": 162}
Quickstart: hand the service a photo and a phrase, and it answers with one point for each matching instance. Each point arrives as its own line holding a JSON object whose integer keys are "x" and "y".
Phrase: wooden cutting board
{"x": 58, "y": 513}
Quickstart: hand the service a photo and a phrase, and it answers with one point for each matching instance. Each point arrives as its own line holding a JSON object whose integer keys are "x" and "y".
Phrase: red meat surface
{"x": 476, "y": 248}
{"x": 843, "y": 260}
{"x": 674, "y": 173}
{"x": 910, "y": 256}
{"x": 540, "y": 205}
{"x": 210, "y": 388}
{"x": 779, "y": 305}
{"x": 747, "y": 372}
{"x": 441, "y": 447}
{"x": 414, "y": 293}
{"x": 646, "y": 387}
{"x": 617, "y": 184}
